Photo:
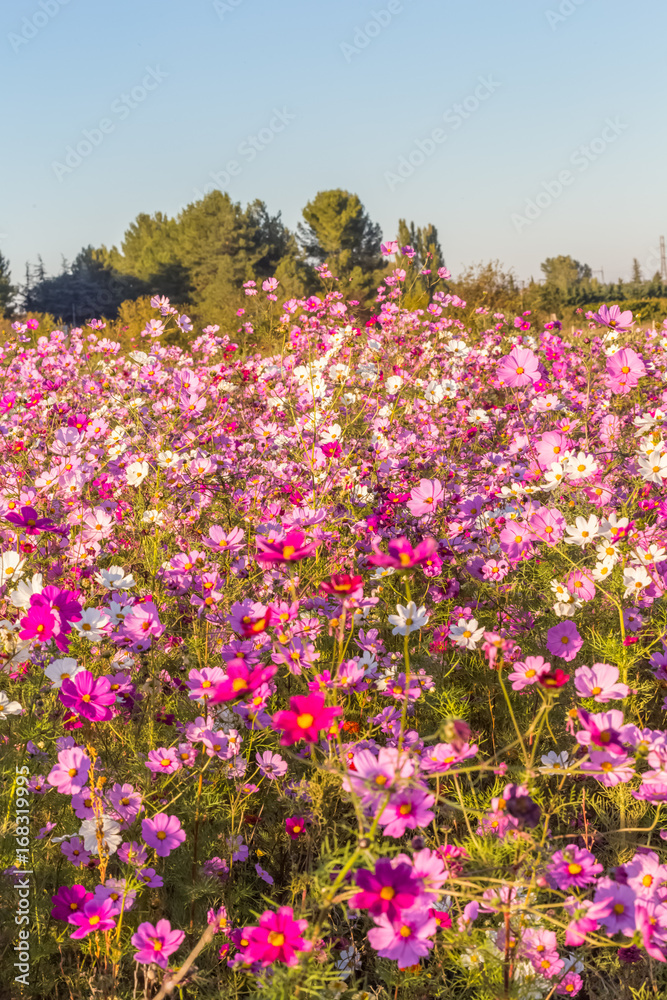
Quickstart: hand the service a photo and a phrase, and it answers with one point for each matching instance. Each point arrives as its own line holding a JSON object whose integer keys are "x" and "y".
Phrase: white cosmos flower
{"x": 115, "y": 578}
{"x": 168, "y": 460}
{"x": 136, "y": 473}
{"x": 393, "y": 384}
{"x": 408, "y": 619}
{"x": 153, "y": 517}
{"x": 635, "y": 578}
{"x": 554, "y": 761}
{"x": 583, "y": 531}
{"x": 109, "y": 831}
{"x": 11, "y": 564}
{"x": 466, "y": 633}
{"x": 603, "y": 569}
{"x": 92, "y": 625}
{"x": 20, "y": 597}
{"x": 61, "y": 670}
{"x": 8, "y": 707}
{"x": 382, "y": 571}
{"x": 117, "y": 612}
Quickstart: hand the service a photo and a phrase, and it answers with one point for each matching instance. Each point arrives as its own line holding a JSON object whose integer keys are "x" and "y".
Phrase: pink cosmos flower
{"x": 580, "y": 585}
{"x": 645, "y": 874}
{"x": 156, "y": 943}
{"x": 551, "y": 447}
{"x": 624, "y": 370}
{"x": 518, "y": 368}
{"x": 277, "y": 939}
{"x": 70, "y": 774}
{"x": 401, "y": 554}
{"x": 425, "y": 498}
{"x": 271, "y": 765}
{"x": 306, "y": 718}
{"x": 548, "y": 525}
{"x": 292, "y": 548}
{"x": 573, "y": 867}
{"x": 600, "y": 682}
{"x": 163, "y": 761}
{"x": 585, "y": 914}
{"x": 240, "y": 681}
{"x": 407, "y": 809}
{"x": 125, "y": 801}
{"x": 528, "y": 672}
{"x": 610, "y": 769}
{"x": 495, "y": 569}
{"x": 88, "y": 696}
{"x": 564, "y": 640}
{"x": 404, "y": 940}
{"x": 516, "y": 540}
{"x": 613, "y": 318}
{"x": 163, "y": 833}
{"x": 620, "y": 918}
{"x": 94, "y": 916}
{"x": 390, "y": 889}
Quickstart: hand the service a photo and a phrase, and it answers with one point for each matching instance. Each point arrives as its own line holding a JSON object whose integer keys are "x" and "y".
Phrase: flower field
{"x": 336, "y": 671}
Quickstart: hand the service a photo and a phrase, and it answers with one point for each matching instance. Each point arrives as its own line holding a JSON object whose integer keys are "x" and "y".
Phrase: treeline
{"x": 201, "y": 258}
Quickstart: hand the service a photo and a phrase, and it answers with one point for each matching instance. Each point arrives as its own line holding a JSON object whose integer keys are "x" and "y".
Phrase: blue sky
{"x": 521, "y": 130}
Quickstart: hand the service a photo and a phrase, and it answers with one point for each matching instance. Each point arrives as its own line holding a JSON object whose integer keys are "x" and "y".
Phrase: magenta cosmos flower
{"x": 401, "y": 554}
{"x": 603, "y": 730}
{"x": 69, "y": 900}
{"x": 306, "y": 718}
{"x": 156, "y": 943}
{"x": 389, "y": 889}
{"x": 240, "y": 680}
{"x": 425, "y": 497}
{"x": 564, "y": 640}
{"x": 30, "y": 521}
{"x": 88, "y": 696}
{"x": 40, "y": 623}
{"x": 405, "y": 940}
{"x": 573, "y": 867}
{"x": 343, "y": 585}
{"x": 95, "y": 916}
{"x": 518, "y": 368}
{"x": 293, "y": 547}
{"x": 600, "y": 682}
{"x": 163, "y": 833}
{"x": 277, "y": 939}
